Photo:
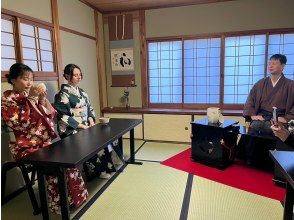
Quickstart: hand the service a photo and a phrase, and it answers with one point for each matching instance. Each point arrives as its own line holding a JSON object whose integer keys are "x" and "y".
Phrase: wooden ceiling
{"x": 111, "y": 6}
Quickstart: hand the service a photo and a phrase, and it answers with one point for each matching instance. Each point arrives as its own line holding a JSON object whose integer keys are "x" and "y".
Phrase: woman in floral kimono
{"x": 28, "y": 113}
{"x": 74, "y": 112}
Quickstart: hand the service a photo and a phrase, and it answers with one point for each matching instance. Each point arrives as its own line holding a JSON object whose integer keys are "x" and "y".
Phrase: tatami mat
{"x": 215, "y": 201}
{"x": 149, "y": 191}
{"x": 153, "y": 191}
{"x": 126, "y": 146}
{"x": 20, "y": 207}
{"x": 155, "y": 151}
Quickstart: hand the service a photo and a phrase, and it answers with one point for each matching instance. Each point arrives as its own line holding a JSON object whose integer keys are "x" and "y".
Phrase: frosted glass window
{"x": 6, "y": 26}
{"x": 32, "y": 64}
{"x": 8, "y": 55}
{"x": 29, "y": 54}
{"x": 7, "y": 39}
{"x": 46, "y": 55}
{"x": 283, "y": 44}
{"x": 45, "y": 45}
{"x": 28, "y": 42}
{"x": 244, "y": 65}
{"x": 37, "y": 47}
{"x": 7, "y": 52}
{"x": 26, "y": 29}
{"x": 44, "y": 34}
{"x": 47, "y": 66}
{"x": 190, "y": 71}
{"x": 202, "y": 70}
{"x": 7, "y": 63}
{"x": 165, "y": 71}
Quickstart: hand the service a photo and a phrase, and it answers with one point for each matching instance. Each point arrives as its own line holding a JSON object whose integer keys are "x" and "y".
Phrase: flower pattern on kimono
{"x": 45, "y": 135}
{"x": 109, "y": 165}
{"x": 90, "y": 166}
{"x": 64, "y": 98}
{"x": 101, "y": 153}
{"x": 65, "y": 119}
{"x": 14, "y": 117}
{"x": 35, "y": 131}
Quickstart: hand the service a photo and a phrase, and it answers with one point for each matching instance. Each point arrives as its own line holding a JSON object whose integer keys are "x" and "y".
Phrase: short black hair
{"x": 68, "y": 71}
{"x": 282, "y": 58}
{"x": 16, "y": 70}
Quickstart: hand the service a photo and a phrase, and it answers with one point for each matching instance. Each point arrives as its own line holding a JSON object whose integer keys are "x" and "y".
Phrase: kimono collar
{"x": 71, "y": 89}
{"x": 275, "y": 83}
{"x": 16, "y": 93}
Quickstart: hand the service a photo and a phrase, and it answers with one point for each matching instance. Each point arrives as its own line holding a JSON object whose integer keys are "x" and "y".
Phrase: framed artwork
{"x": 122, "y": 59}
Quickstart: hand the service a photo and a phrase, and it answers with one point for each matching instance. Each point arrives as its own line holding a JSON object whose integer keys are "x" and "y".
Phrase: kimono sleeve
{"x": 289, "y": 114}
{"x": 91, "y": 112}
{"x": 62, "y": 106}
{"x": 290, "y": 140}
{"x": 249, "y": 107}
{"x": 15, "y": 112}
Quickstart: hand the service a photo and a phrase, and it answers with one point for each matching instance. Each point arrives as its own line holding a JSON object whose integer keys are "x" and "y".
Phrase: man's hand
{"x": 282, "y": 120}
{"x": 281, "y": 132}
{"x": 257, "y": 118}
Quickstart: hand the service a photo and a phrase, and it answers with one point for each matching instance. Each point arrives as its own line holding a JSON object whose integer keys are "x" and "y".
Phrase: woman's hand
{"x": 34, "y": 92}
{"x": 38, "y": 92}
{"x": 42, "y": 95}
{"x": 82, "y": 126}
{"x": 91, "y": 121}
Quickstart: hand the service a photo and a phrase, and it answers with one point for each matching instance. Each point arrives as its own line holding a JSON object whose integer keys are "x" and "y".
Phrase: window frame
{"x": 223, "y": 35}
{"x": 18, "y": 19}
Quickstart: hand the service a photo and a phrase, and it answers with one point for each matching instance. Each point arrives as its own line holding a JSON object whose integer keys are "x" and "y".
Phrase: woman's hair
{"x": 16, "y": 70}
{"x": 68, "y": 71}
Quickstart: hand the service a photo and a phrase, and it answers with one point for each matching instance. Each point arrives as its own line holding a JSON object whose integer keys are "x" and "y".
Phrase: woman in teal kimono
{"x": 74, "y": 113}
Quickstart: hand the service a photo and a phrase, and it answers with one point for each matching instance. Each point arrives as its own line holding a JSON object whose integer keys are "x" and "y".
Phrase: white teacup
{"x": 214, "y": 115}
{"x": 104, "y": 120}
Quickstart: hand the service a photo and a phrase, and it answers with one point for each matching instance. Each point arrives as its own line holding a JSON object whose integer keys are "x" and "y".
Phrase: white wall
{"x": 40, "y": 9}
{"x": 76, "y": 15}
{"x": 227, "y": 16}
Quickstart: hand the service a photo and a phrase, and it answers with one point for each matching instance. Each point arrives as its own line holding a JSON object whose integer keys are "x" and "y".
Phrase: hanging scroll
{"x": 122, "y": 59}
{"x": 121, "y": 45}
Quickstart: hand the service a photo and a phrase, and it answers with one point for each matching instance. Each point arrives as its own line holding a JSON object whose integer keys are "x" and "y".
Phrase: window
{"x": 165, "y": 72}
{"x": 8, "y": 54}
{"x": 30, "y": 43}
{"x": 37, "y": 47}
{"x": 202, "y": 71}
{"x": 244, "y": 65}
{"x": 214, "y": 70}
{"x": 284, "y": 44}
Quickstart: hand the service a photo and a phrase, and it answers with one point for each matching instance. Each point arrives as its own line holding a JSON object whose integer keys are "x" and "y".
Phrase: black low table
{"x": 73, "y": 151}
{"x": 285, "y": 163}
{"x": 206, "y": 142}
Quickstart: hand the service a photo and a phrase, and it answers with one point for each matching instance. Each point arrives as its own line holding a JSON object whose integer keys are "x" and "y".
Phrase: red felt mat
{"x": 237, "y": 175}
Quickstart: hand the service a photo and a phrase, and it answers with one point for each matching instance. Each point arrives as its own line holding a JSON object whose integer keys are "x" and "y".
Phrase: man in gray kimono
{"x": 273, "y": 91}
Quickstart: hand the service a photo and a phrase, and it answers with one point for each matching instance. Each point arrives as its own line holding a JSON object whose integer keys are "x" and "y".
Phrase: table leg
{"x": 118, "y": 151}
{"x": 120, "y": 144}
{"x": 62, "y": 186}
{"x": 43, "y": 193}
{"x": 132, "y": 149}
{"x": 289, "y": 201}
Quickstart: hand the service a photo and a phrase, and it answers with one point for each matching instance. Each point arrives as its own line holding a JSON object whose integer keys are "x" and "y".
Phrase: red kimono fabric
{"x": 33, "y": 129}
